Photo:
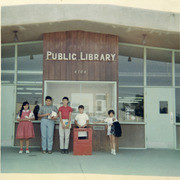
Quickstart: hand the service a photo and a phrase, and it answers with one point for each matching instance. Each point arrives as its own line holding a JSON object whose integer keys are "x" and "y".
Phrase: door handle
{"x": 171, "y": 117}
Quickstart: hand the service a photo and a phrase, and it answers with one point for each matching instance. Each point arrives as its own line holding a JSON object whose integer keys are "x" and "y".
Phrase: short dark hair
{"x": 48, "y": 97}
{"x": 81, "y": 107}
{"x": 65, "y": 98}
{"x": 111, "y": 111}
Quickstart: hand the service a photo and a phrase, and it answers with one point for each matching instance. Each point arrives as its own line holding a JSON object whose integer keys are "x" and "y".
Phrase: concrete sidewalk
{"x": 149, "y": 162}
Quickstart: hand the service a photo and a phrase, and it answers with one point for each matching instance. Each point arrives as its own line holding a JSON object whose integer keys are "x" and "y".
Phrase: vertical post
{"x": 145, "y": 94}
{"x": 174, "y": 103}
{"x": 173, "y": 68}
{"x": 16, "y": 56}
{"x": 145, "y": 69}
{"x": 15, "y": 92}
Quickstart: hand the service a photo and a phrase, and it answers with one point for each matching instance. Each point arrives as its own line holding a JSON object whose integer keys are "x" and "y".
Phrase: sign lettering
{"x": 80, "y": 57}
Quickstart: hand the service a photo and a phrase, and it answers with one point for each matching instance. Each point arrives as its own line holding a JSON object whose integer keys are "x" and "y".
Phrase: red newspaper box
{"x": 82, "y": 146}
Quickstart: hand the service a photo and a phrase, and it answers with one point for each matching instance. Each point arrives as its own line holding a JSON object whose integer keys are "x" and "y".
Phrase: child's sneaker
{"x": 21, "y": 151}
{"x": 44, "y": 152}
{"x": 114, "y": 152}
{"x": 27, "y": 151}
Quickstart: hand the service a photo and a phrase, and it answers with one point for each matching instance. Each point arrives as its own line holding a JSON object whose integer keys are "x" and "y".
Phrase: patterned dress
{"x": 25, "y": 129}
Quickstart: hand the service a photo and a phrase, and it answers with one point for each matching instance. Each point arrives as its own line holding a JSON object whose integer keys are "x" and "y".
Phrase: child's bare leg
{"x": 21, "y": 143}
{"x": 27, "y": 143}
{"x": 113, "y": 142}
{"x": 110, "y": 139}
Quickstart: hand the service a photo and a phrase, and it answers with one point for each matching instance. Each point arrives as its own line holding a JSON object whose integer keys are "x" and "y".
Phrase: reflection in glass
{"x": 32, "y": 94}
{"x": 131, "y": 66}
{"x": 7, "y": 64}
{"x": 97, "y": 97}
{"x": 177, "y": 69}
{"x": 163, "y": 107}
{"x": 30, "y": 63}
{"x": 159, "y": 68}
{"x": 131, "y": 104}
{"x": 178, "y": 105}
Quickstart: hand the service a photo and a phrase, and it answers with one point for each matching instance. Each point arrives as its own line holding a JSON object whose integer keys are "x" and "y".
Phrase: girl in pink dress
{"x": 25, "y": 129}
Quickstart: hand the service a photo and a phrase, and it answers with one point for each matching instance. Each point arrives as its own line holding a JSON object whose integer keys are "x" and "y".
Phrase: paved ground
{"x": 127, "y": 162}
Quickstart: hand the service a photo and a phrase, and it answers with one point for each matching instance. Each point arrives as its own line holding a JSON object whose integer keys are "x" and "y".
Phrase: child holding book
{"x": 25, "y": 129}
{"x": 48, "y": 113}
{"x": 64, "y": 125}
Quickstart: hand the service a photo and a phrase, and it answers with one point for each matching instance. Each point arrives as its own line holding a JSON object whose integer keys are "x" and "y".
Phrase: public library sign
{"x": 80, "y": 56}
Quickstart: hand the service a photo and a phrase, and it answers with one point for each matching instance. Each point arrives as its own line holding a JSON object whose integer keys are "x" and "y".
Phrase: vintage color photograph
{"x": 90, "y": 89}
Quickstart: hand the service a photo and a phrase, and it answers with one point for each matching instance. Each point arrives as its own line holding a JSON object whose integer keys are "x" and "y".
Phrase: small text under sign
{"x": 99, "y": 128}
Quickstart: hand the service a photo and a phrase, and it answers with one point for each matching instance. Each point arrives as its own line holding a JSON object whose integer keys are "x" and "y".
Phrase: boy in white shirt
{"x": 81, "y": 119}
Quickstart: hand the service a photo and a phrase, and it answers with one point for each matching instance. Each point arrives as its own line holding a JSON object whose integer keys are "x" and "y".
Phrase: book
{"x": 53, "y": 114}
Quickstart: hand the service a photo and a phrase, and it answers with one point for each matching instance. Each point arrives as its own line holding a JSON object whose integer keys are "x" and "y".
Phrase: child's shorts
{"x": 109, "y": 132}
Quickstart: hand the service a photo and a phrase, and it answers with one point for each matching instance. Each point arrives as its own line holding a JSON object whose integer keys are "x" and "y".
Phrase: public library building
{"x": 95, "y": 62}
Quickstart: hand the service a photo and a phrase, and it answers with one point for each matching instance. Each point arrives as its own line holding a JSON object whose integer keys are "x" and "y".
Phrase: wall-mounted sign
{"x": 99, "y": 128}
{"x": 80, "y": 56}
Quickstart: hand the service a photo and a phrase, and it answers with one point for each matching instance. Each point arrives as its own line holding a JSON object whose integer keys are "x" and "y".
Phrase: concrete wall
{"x": 107, "y": 14}
{"x": 160, "y": 5}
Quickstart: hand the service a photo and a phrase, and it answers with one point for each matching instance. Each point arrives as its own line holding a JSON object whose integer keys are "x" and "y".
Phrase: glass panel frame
{"x": 177, "y": 68}
{"x": 89, "y": 90}
{"x": 30, "y": 63}
{"x": 131, "y": 104}
{"x": 8, "y": 64}
{"x": 177, "y": 104}
{"x": 159, "y": 67}
{"x": 131, "y": 66}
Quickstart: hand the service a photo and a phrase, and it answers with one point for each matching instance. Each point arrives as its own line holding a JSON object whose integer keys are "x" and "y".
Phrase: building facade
{"x": 102, "y": 56}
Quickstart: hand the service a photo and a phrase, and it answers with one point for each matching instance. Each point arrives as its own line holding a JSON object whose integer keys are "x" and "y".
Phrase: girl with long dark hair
{"x": 25, "y": 129}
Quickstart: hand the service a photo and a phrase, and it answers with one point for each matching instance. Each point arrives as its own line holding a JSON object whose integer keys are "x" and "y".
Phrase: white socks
{"x": 113, "y": 151}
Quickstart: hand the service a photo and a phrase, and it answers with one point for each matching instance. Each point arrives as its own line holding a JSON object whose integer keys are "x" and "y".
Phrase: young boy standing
{"x": 81, "y": 119}
{"x": 47, "y": 124}
{"x": 65, "y": 125}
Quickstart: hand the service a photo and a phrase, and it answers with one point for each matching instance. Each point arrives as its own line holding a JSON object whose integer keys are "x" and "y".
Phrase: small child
{"x": 81, "y": 121}
{"x": 48, "y": 113}
{"x": 64, "y": 125}
{"x": 25, "y": 129}
{"x": 109, "y": 120}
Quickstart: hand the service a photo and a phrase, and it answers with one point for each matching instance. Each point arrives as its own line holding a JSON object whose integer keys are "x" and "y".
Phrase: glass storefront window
{"x": 178, "y": 105}
{"x": 177, "y": 68}
{"x": 32, "y": 94}
{"x": 97, "y": 97}
{"x": 29, "y": 75}
{"x": 30, "y": 63}
{"x": 159, "y": 68}
{"x": 131, "y": 66}
{"x": 7, "y": 64}
{"x": 131, "y": 104}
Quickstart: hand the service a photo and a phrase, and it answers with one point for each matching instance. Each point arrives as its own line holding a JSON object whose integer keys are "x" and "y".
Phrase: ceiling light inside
{"x": 15, "y": 36}
{"x": 144, "y": 39}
